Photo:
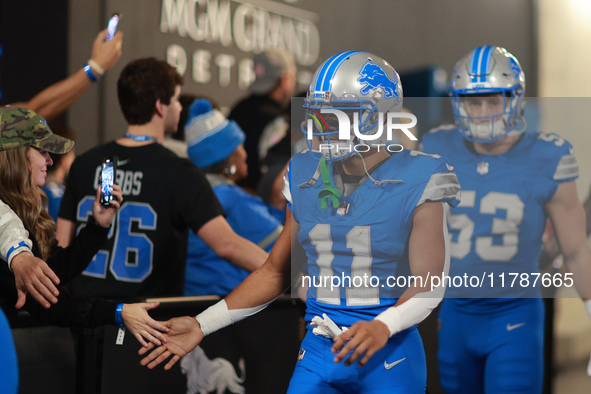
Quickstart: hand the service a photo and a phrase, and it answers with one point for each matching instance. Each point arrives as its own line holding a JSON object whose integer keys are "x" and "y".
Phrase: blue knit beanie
{"x": 210, "y": 137}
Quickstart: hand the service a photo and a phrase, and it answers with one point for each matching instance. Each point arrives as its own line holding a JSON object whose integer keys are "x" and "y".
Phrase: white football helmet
{"x": 362, "y": 86}
{"x": 485, "y": 72}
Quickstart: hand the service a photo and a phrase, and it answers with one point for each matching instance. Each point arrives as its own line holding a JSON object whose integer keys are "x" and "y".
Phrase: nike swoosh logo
{"x": 389, "y": 366}
{"x": 513, "y": 327}
{"x": 451, "y": 168}
{"x": 122, "y": 162}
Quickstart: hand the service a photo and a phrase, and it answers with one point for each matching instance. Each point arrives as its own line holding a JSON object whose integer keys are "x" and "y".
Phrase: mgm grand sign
{"x": 231, "y": 31}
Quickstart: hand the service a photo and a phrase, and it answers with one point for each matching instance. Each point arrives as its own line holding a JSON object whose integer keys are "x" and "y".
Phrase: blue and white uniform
{"x": 366, "y": 236}
{"x": 249, "y": 217}
{"x": 491, "y": 336}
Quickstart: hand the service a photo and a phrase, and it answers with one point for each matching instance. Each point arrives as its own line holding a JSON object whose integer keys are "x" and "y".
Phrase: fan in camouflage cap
{"x": 23, "y": 127}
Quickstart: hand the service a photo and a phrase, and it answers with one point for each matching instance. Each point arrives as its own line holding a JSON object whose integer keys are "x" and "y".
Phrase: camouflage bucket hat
{"x": 23, "y": 127}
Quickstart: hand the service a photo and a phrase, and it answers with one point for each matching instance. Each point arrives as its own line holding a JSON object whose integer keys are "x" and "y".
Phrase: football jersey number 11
{"x": 359, "y": 241}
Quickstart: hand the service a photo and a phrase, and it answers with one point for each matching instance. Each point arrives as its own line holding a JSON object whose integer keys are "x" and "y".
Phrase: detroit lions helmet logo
{"x": 374, "y": 78}
{"x": 515, "y": 68}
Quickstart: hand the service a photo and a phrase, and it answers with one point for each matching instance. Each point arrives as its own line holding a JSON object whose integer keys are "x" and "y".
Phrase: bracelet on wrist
{"x": 96, "y": 67}
{"x": 90, "y": 74}
{"x": 119, "y": 316}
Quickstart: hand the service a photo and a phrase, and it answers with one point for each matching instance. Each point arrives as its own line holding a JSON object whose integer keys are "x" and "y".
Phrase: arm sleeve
{"x": 418, "y": 307}
{"x": 68, "y": 312}
{"x": 74, "y": 312}
{"x": 69, "y": 262}
{"x": 13, "y": 236}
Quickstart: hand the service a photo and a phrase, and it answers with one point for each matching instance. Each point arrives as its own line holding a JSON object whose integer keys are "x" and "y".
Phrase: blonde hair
{"x": 25, "y": 198}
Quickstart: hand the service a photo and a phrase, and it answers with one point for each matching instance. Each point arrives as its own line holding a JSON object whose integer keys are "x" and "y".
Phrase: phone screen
{"x": 107, "y": 179}
{"x": 112, "y": 26}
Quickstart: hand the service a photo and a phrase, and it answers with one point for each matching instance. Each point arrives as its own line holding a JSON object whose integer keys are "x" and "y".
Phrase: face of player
{"x": 39, "y": 161}
{"x": 482, "y": 108}
{"x": 238, "y": 158}
{"x": 173, "y": 112}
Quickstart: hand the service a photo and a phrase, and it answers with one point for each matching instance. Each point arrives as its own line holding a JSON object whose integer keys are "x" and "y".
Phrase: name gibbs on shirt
{"x": 130, "y": 181}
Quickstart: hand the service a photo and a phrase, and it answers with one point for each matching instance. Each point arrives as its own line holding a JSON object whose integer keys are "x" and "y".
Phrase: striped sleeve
{"x": 286, "y": 186}
{"x": 567, "y": 168}
{"x": 270, "y": 238}
{"x": 442, "y": 186}
{"x": 13, "y": 236}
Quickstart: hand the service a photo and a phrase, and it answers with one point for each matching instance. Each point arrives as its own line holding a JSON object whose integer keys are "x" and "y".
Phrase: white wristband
{"x": 219, "y": 316}
{"x": 588, "y": 307}
{"x": 214, "y": 318}
{"x": 391, "y": 318}
{"x": 96, "y": 67}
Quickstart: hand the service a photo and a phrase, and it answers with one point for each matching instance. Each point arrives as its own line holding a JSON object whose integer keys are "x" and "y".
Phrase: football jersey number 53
{"x": 507, "y": 228}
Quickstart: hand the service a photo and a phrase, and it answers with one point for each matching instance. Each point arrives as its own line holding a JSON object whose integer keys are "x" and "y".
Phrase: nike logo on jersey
{"x": 513, "y": 327}
{"x": 122, "y": 162}
{"x": 391, "y": 365}
{"x": 451, "y": 168}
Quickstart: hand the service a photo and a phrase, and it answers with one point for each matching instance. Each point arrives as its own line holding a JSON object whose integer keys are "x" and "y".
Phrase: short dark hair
{"x": 143, "y": 82}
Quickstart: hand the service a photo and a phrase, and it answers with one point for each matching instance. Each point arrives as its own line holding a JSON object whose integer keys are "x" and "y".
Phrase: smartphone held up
{"x": 108, "y": 172}
{"x": 112, "y": 26}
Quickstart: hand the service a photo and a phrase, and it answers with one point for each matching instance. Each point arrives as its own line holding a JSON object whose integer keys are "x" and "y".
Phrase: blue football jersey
{"x": 496, "y": 230}
{"x": 363, "y": 242}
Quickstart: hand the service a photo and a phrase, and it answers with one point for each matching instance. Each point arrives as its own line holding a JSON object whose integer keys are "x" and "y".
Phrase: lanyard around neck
{"x": 141, "y": 138}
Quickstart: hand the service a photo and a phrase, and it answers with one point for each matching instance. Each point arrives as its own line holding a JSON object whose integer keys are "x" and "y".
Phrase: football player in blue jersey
{"x": 491, "y": 337}
{"x": 359, "y": 211}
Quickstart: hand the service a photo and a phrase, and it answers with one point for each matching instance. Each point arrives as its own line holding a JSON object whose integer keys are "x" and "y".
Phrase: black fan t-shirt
{"x": 164, "y": 197}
